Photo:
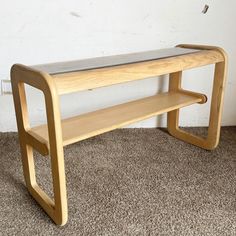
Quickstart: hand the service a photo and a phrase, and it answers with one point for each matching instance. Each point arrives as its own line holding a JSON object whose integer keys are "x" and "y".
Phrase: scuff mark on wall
{"x": 205, "y": 9}
{"x": 75, "y": 14}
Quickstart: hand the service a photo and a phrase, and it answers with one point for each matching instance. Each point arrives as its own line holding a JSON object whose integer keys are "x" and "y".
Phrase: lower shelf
{"x": 100, "y": 121}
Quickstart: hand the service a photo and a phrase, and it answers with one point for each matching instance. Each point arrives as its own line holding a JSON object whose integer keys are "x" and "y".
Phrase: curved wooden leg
{"x": 57, "y": 208}
{"x": 213, "y": 136}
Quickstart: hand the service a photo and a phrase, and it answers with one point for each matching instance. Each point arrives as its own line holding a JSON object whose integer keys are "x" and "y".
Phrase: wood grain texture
{"x": 50, "y": 138}
{"x": 56, "y": 209}
{"x": 84, "y": 80}
{"x": 97, "y": 122}
{"x": 212, "y": 139}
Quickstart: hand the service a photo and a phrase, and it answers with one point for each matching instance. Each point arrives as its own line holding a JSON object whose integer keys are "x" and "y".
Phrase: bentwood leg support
{"x": 63, "y": 78}
{"x": 213, "y": 136}
{"x": 57, "y": 208}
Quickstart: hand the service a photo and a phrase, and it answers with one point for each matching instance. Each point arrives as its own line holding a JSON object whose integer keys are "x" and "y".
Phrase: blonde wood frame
{"x": 213, "y": 136}
{"x": 56, "y": 209}
{"x": 51, "y": 138}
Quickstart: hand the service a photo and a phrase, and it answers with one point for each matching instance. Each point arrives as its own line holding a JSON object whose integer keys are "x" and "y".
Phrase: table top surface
{"x": 108, "y": 61}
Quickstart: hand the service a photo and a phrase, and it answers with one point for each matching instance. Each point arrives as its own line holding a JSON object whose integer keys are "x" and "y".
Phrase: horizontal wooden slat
{"x": 97, "y": 122}
{"x": 84, "y": 80}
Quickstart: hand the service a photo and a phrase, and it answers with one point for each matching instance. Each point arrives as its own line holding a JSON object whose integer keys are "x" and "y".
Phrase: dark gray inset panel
{"x": 101, "y": 62}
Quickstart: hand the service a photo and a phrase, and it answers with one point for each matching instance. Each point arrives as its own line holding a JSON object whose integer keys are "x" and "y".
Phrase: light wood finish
{"x": 107, "y": 119}
{"x": 213, "y": 136}
{"x": 50, "y": 138}
{"x": 84, "y": 80}
{"x": 56, "y": 209}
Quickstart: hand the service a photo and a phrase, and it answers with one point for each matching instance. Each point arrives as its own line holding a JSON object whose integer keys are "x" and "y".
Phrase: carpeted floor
{"x": 128, "y": 182}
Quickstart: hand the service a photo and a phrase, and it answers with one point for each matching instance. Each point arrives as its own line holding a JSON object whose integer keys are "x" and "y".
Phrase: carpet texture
{"x": 127, "y": 182}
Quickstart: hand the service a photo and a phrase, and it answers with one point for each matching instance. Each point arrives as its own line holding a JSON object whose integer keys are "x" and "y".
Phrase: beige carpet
{"x": 128, "y": 182}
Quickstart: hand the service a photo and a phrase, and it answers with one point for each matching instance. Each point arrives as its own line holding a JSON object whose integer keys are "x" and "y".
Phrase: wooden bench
{"x": 62, "y": 78}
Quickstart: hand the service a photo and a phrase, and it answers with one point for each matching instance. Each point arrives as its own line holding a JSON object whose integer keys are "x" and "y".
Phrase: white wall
{"x": 34, "y": 32}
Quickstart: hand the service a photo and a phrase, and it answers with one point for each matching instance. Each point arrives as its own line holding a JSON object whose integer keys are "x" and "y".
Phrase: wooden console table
{"x": 61, "y": 78}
